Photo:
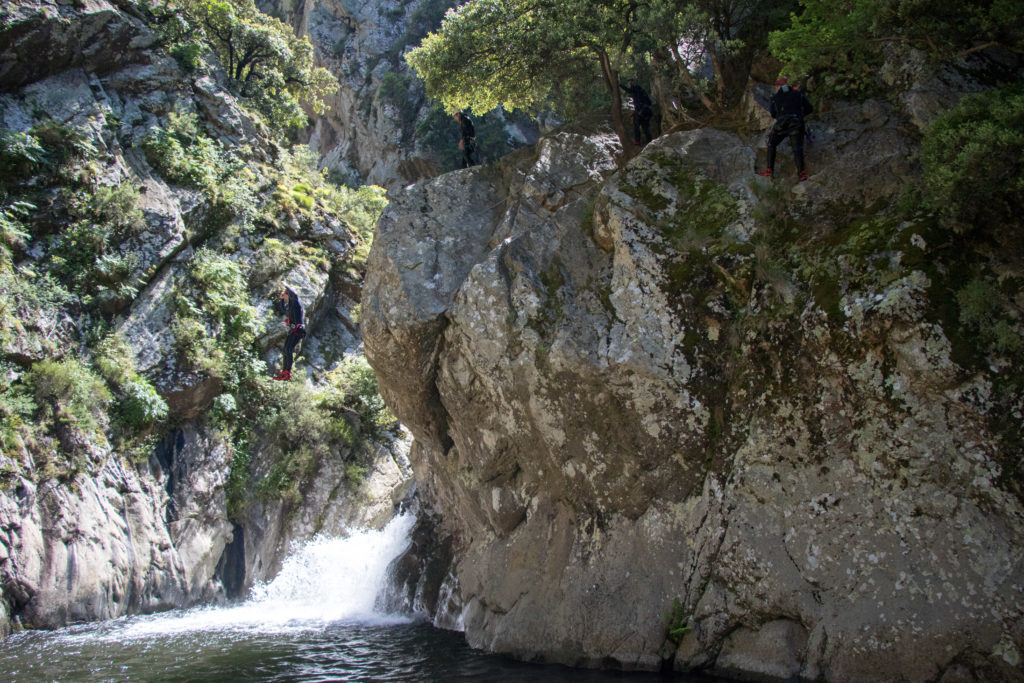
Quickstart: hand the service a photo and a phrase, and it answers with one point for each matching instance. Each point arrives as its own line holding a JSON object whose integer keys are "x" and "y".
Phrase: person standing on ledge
{"x": 290, "y": 307}
{"x": 788, "y": 107}
{"x": 643, "y": 111}
{"x": 467, "y": 143}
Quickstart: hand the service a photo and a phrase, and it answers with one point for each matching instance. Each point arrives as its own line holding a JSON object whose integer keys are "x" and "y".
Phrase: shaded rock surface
{"x": 621, "y": 399}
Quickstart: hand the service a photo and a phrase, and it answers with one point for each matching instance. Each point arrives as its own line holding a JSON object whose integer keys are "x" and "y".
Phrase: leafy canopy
{"x": 845, "y": 41}
{"x": 511, "y": 53}
{"x": 535, "y": 54}
{"x": 973, "y": 161}
{"x": 268, "y": 64}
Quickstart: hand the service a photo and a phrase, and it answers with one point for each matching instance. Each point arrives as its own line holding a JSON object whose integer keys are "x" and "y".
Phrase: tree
{"x": 515, "y": 53}
{"x": 268, "y": 64}
{"x": 845, "y": 41}
{"x": 527, "y": 54}
{"x": 682, "y": 36}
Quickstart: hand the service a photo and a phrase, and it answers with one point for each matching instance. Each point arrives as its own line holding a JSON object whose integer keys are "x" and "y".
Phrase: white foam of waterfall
{"x": 325, "y": 581}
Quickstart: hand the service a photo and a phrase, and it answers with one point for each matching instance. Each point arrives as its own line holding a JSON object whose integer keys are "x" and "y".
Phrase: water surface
{"x": 314, "y": 622}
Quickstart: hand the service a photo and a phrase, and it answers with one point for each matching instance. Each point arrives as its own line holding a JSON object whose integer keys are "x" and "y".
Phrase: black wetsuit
{"x": 789, "y": 107}
{"x": 468, "y": 132}
{"x": 292, "y": 310}
{"x": 643, "y": 111}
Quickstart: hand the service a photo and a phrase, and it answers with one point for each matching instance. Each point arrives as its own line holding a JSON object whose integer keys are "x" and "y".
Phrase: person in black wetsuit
{"x": 467, "y": 141}
{"x": 289, "y": 306}
{"x": 643, "y": 111}
{"x": 789, "y": 106}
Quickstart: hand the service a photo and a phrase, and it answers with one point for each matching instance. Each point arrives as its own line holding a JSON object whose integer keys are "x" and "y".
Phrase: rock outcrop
{"x": 672, "y": 415}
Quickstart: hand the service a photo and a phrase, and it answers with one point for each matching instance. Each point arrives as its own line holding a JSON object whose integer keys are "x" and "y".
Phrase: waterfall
{"x": 324, "y": 581}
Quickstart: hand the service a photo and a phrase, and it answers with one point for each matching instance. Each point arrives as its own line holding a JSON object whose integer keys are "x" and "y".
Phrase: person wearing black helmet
{"x": 467, "y": 141}
{"x": 789, "y": 106}
{"x": 289, "y": 306}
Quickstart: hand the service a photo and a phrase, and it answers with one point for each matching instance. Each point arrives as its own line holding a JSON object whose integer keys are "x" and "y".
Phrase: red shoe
{"x": 803, "y": 176}
{"x": 767, "y": 173}
{"x": 284, "y": 375}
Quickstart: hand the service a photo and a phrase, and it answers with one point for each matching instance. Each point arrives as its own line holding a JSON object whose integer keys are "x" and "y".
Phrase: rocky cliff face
{"x": 675, "y": 414}
{"x": 133, "y": 513}
{"x": 380, "y": 127}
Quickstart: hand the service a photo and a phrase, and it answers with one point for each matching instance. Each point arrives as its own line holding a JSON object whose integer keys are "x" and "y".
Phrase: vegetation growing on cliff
{"x": 268, "y": 64}
{"x": 77, "y": 238}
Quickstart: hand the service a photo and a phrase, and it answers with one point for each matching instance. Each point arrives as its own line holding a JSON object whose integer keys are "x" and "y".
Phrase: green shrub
{"x": 678, "y": 622}
{"x": 352, "y": 389}
{"x": 237, "y": 488}
{"x": 63, "y": 142}
{"x": 13, "y": 232}
{"x": 27, "y": 299}
{"x": 68, "y": 394}
{"x": 188, "y": 55}
{"x": 141, "y": 406}
{"x": 118, "y": 207}
{"x": 16, "y": 410}
{"x": 274, "y": 257}
{"x": 21, "y": 155}
{"x": 973, "y": 161}
{"x": 985, "y": 313}
{"x": 224, "y": 297}
{"x": 300, "y": 434}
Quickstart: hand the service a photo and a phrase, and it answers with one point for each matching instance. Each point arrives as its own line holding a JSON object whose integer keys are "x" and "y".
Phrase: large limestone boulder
{"x": 625, "y": 410}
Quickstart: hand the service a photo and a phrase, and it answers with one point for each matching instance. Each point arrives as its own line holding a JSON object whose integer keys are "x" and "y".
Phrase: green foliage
{"x": 13, "y": 232}
{"x": 268, "y": 64}
{"x": 678, "y": 622}
{"x": 138, "y": 407}
{"x": 21, "y": 155}
{"x": 214, "y": 321}
{"x": 17, "y": 406}
{"x": 352, "y": 389}
{"x": 62, "y": 142}
{"x": 71, "y": 402}
{"x": 425, "y": 18}
{"x": 844, "y": 41}
{"x": 46, "y": 146}
{"x": 221, "y": 285}
{"x": 304, "y": 192}
{"x": 273, "y": 258}
{"x": 30, "y": 301}
{"x": 188, "y": 54}
{"x": 533, "y": 54}
{"x": 87, "y": 254}
{"x": 973, "y": 161}
{"x": 303, "y": 427}
{"x": 985, "y": 313}
{"x": 236, "y": 491}
{"x": 511, "y": 53}
{"x": 437, "y": 135}
{"x": 182, "y": 160}
{"x": 303, "y": 437}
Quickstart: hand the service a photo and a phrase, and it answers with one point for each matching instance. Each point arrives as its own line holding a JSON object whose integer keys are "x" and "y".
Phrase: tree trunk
{"x": 611, "y": 81}
{"x": 689, "y": 80}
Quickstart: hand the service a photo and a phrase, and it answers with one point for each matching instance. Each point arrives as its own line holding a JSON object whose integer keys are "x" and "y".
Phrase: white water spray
{"x": 325, "y": 581}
